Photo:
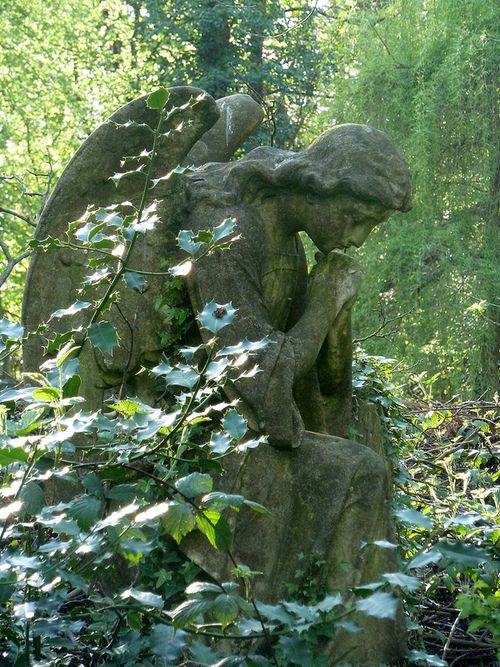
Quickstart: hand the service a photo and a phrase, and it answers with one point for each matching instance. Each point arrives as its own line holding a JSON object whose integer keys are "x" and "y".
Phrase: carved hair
{"x": 350, "y": 159}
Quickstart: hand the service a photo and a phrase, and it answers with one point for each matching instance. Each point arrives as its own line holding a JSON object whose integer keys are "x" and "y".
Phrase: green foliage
{"x": 445, "y": 460}
{"x": 425, "y": 72}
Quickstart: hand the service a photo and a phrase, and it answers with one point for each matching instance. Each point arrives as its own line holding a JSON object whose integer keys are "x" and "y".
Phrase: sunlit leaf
{"x": 194, "y": 484}
{"x": 234, "y": 424}
{"x": 226, "y": 228}
{"x": 379, "y": 605}
{"x": 47, "y": 394}
{"x": 215, "y": 316}
{"x": 144, "y": 597}
{"x": 185, "y": 241}
{"x": 178, "y": 520}
{"x": 158, "y": 99}
{"x": 219, "y": 443}
{"x": 403, "y": 581}
{"x": 198, "y": 587}
{"x": 11, "y": 330}
{"x": 215, "y": 528}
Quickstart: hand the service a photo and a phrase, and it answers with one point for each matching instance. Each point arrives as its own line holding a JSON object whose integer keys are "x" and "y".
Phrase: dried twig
{"x": 385, "y": 323}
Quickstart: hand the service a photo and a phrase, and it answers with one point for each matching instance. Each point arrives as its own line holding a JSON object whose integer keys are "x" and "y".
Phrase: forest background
{"x": 425, "y": 72}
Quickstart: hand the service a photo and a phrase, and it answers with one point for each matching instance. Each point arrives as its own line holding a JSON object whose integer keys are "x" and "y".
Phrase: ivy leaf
{"x": 225, "y": 609}
{"x": 158, "y": 99}
{"x": 11, "y": 330}
{"x": 103, "y": 336}
{"x": 144, "y": 597}
{"x": 420, "y": 657}
{"x": 215, "y": 316}
{"x": 194, "y": 484}
{"x": 234, "y": 424}
{"x": 215, "y": 528}
{"x": 380, "y": 605}
{"x": 179, "y": 520}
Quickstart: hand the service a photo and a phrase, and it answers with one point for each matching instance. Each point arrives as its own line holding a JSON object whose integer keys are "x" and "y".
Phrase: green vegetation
{"x": 426, "y": 73}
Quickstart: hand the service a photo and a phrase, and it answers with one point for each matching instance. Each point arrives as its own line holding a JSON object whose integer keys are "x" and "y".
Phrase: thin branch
{"x": 25, "y": 218}
{"x": 385, "y": 323}
{"x": 11, "y": 261}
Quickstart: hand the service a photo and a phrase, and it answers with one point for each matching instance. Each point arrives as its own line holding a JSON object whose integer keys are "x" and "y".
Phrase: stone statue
{"x": 327, "y": 495}
{"x": 326, "y": 492}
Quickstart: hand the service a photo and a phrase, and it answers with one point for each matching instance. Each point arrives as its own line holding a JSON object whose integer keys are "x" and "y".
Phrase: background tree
{"x": 426, "y": 73}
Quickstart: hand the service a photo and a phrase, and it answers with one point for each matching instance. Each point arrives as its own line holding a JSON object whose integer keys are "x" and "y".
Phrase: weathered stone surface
{"x": 86, "y": 181}
{"x": 327, "y": 495}
{"x": 327, "y": 498}
{"x": 239, "y": 116}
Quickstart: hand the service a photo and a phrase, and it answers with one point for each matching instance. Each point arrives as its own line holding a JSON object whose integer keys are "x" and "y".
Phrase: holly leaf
{"x": 11, "y": 330}
{"x": 103, "y": 336}
{"x": 234, "y": 424}
{"x": 216, "y": 316}
{"x": 414, "y": 518}
{"x": 379, "y": 605}
{"x": 158, "y": 99}
{"x": 226, "y": 228}
{"x": 134, "y": 280}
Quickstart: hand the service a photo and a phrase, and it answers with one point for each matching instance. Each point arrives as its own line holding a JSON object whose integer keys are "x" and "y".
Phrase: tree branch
{"x": 11, "y": 261}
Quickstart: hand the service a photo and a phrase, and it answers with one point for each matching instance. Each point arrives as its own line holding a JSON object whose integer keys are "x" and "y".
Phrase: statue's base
{"x": 326, "y": 499}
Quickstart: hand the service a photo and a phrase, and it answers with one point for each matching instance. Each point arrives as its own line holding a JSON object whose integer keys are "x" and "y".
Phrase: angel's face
{"x": 334, "y": 222}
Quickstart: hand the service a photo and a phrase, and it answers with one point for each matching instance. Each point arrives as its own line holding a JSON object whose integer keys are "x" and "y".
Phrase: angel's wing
{"x": 55, "y": 276}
